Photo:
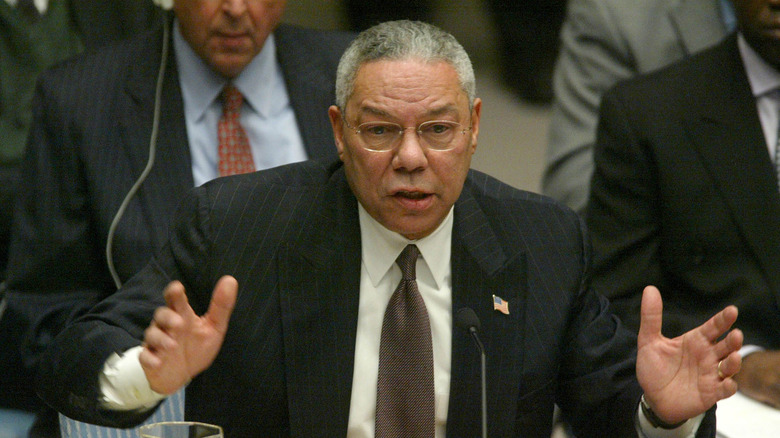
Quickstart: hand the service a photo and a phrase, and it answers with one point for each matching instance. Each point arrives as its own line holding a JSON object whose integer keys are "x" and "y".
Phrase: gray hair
{"x": 401, "y": 40}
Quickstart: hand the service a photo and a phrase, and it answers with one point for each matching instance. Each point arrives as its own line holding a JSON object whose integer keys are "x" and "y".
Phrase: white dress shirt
{"x": 379, "y": 276}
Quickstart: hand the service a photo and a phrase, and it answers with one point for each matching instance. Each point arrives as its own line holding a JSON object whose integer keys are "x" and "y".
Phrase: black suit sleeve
{"x": 67, "y": 377}
{"x": 55, "y": 270}
{"x": 622, "y": 216}
{"x": 621, "y": 213}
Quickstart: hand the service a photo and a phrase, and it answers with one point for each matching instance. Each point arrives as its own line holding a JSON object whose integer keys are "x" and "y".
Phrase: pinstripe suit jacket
{"x": 88, "y": 145}
{"x": 291, "y": 237}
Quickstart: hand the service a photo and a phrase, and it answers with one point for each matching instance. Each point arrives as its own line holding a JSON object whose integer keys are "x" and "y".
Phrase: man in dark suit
{"x": 312, "y": 247}
{"x": 685, "y": 192}
{"x": 90, "y": 142}
{"x": 34, "y": 37}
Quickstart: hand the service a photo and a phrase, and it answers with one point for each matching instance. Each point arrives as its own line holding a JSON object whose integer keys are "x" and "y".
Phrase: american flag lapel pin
{"x": 501, "y": 305}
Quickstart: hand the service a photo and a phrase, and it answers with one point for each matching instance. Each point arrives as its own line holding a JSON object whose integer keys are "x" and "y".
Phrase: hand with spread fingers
{"x": 759, "y": 377}
{"x": 179, "y": 344}
{"x": 685, "y": 376}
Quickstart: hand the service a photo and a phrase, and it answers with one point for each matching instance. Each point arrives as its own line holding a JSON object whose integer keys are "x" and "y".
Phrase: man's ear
{"x": 334, "y": 113}
{"x": 476, "y": 113}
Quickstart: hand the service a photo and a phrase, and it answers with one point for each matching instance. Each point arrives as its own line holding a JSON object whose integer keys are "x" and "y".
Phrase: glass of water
{"x": 180, "y": 429}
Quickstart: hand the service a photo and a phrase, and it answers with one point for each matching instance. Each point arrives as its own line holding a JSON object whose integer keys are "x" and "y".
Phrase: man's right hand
{"x": 759, "y": 377}
{"x": 179, "y": 344}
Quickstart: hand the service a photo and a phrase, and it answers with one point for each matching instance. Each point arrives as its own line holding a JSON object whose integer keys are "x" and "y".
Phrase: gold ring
{"x": 720, "y": 373}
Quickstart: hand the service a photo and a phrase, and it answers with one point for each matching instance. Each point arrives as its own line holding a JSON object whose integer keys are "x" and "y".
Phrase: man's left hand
{"x": 685, "y": 376}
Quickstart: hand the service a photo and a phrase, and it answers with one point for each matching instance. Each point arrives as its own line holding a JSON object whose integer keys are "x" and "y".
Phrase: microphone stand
{"x": 467, "y": 319}
{"x": 473, "y": 332}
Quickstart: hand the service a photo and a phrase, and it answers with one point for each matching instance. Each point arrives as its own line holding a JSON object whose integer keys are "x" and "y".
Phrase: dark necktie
{"x": 28, "y": 9}
{"x": 405, "y": 391}
{"x": 235, "y": 155}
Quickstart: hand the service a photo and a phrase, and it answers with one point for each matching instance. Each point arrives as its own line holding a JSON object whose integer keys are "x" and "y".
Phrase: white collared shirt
{"x": 379, "y": 276}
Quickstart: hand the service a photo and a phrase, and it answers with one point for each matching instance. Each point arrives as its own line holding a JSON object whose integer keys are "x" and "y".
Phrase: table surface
{"x": 742, "y": 417}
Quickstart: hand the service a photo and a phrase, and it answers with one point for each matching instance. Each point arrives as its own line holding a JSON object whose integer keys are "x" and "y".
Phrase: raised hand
{"x": 685, "y": 376}
{"x": 179, "y": 344}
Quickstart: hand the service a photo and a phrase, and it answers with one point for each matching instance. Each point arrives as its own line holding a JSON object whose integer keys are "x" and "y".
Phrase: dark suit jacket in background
{"x": 104, "y": 21}
{"x": 88, "y": 145}
{"x": 685, "y": 197}
{"x": 291, "y": 238}
{"x": 98, "y": 22}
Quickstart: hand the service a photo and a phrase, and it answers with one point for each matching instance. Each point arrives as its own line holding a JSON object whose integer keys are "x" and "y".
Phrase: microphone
{"x": 466, "y": 319}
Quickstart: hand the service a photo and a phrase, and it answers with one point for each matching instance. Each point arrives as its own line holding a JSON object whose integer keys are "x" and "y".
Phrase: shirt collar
{"x": 201, "y": 85}
{"x": 381, "y": 247}
{"x": 763, "y": 77}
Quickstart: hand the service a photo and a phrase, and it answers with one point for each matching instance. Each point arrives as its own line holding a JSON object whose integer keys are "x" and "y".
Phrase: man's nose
{"x": 234, "y": 7}
{"x": 410, "y": 154}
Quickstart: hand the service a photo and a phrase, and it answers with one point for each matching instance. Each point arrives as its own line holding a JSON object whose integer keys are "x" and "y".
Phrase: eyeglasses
{"x": 438, "y": 135}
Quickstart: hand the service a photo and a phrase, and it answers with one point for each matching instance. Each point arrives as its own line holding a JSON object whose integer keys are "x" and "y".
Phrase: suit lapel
{"x": 698, "y": 23}
{"x": 172, "y": 170}
{"x": 727, "y": 134}
{"x": 319, "y": 291}
{"x": 480, "y": 269}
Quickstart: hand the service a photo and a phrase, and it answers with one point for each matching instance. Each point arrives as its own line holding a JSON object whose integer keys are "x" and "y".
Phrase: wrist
{"x": 653, "y": 418}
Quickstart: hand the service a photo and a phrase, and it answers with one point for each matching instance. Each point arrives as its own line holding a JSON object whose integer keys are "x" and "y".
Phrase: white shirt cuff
{"x": 123, "y": 383}
{"x": 749, "y": 349}
{"x": 686, "y": 430}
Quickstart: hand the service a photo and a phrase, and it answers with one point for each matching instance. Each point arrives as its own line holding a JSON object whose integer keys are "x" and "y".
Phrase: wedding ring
{"x": 720, "y": 372}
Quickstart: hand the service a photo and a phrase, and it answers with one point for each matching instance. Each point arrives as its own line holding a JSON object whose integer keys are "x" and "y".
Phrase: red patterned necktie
{"x": 405, "y": 392}
{"x": 235, "y": 155}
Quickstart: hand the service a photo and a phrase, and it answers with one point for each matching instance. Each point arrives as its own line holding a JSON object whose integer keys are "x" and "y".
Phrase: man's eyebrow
{"x": 446, "y": 109}
{"x": 373, "y": 111}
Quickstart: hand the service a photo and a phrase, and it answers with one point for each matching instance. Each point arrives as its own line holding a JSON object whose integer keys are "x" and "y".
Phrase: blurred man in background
{"x": 237, "y": 87}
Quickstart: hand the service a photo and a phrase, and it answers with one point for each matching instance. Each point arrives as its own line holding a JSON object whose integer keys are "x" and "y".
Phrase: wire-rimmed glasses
{"x": 438, "y": 135}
